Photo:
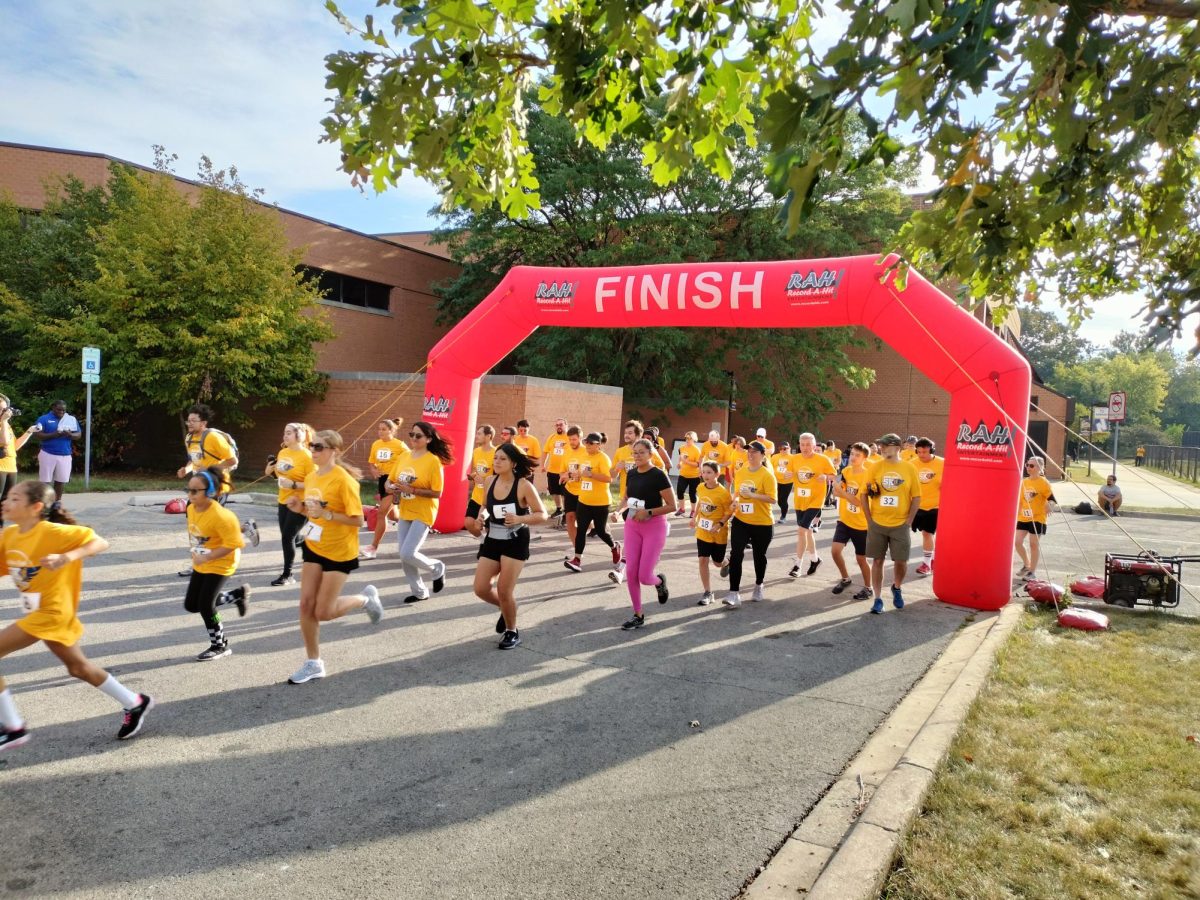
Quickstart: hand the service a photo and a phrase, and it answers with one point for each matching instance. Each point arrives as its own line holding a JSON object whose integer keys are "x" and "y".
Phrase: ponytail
{"x": 52, "y": 509}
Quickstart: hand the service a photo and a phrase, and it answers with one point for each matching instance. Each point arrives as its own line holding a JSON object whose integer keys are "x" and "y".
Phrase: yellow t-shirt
{"x": 215, "y": 529}
{"x": 573, "y": 462}
{"x": 338, "y": 492}
{"x": 809, "y": 492}
{"x": 205, "y": 452}
{"x": 50, "y": 598}
{"x": 622, "y": 462}
{"x": 295, "y": 465}
{"x": 712, "y": 506}
{"x": 930, "y": 476}
{"x": 384, "y": 453}
{"x": 718, "y": 454}
{"x": 9, "y": 463}
{"x": 754, "y": 511}
{"x": 591, "y": 491}
{"x": 855, "y": 483}
{"x": 874, "y": 458}
{"x": 737, "y": 459}
{"x": 481, "y": 464}
{"x": 908, "y": 455}
{"x": 529, "y": 445}
{"x": 1035, "y": 492}
{"x": 689, "y": 461}
{"x": 897, "y": 487}
{"x": 770, "y": 445}
{"x": 557, "y": 446}
{"x": 781, "y": 465}
{"x": 835, "y": 457}
{"x": 424, "y": 471}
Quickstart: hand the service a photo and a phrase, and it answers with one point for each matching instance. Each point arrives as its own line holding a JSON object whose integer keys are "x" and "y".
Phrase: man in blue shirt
{"x": 56, "y": 430}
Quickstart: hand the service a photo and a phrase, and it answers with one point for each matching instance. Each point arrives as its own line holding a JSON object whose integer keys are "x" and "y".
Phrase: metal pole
{"x": 87, "y": 442}
{"x": 1116, "y": 441}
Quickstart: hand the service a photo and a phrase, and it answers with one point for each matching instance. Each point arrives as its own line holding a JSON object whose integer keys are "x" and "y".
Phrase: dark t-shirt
{"x": 647, "y": 486}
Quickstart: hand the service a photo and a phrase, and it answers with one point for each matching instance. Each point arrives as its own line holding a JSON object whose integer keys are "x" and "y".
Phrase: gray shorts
{"x": 880, "y": 539}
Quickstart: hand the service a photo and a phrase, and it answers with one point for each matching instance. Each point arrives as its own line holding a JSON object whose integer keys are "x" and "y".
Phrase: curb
{"x": 844, "y": 848}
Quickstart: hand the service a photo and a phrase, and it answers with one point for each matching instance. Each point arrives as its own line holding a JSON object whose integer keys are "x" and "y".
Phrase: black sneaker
{"x": 864, "y": 594}
{"x": 842, "y": 585}
{"x": 214, "y": 651}
{"x": 501, "y": 627}
{"x": 510, "y": 640}
{"x": 812, "y": 566}
{"x": 285, "y": 578}
{"x": 11, "y": 739}
{"x": 132, "y": 723}
{"x": 635, "y": 622}
{"x": 794, "y": 571}
{"x": 242, "y": 601}
{"x": 663, "y": 594}
{"x": 413, "y": 598}
{"x": 439, "y": 582}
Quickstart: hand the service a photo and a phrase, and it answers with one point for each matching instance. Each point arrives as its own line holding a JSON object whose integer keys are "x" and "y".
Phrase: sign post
{"x": 1116, "y": 415}
{"x": 91, "y": 375}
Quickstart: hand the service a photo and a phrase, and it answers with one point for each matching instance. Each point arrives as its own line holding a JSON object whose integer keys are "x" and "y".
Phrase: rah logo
{"x": 438, "y": 408}
{"x": 556, "y": 293}
{"x": 982, "y": 442}
{"x": 813, "y": 284}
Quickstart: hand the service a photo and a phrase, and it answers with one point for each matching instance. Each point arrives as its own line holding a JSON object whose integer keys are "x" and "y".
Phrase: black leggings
{"x": 204, "y": 595}
{"x": 782, "y": 492}
{"x": 7, "y": 480}
{"x": 759, "y": 538}
{"x": 290, "y": 524}
{"x": 585, "y": 515}
{"x": 686, "y": 484}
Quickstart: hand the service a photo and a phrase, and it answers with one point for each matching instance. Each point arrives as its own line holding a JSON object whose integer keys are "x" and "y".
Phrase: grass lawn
{"x": 1073, "y": 775}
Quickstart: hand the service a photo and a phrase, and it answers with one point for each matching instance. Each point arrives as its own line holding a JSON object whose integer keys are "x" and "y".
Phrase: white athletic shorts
{"x": 53, "y": 468}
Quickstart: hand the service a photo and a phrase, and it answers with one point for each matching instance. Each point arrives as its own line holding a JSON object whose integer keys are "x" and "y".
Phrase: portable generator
{"x": 1148, "y": 579}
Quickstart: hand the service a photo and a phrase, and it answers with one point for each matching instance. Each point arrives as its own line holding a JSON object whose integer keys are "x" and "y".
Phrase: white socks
{"x": 123, "y": 695}
{"x": 10, "y": 719}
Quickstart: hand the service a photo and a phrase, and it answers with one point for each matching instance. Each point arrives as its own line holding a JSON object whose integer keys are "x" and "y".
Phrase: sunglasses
{"x": 417, "y": 434}
{"x": 195, "y": 490}
{"x": 317, "y": 448}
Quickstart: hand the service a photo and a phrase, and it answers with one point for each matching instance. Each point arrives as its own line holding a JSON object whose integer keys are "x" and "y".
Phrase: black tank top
{"x": 495, "y": 518}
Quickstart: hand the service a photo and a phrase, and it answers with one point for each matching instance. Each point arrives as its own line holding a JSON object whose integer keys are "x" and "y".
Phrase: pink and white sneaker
{"x": 924, "y": 569}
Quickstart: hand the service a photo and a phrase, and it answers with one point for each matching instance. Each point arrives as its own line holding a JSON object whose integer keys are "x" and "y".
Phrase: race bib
{"x": 1027, "y": 513}
{"x": 311, "y": 532}
{"x": 746, "y": 508}
{"x": 635, "y": 503}
{"x": 851, "y": 508}
{"x": 585, "y": 485}
{"x": 783, "y": 468}
{"x": 558, "y": 451}
{"x": 383, "y": 455}
{"x": 889, "y": 501}
{"x": 505, "y": 509}
{"x": 706, "y": 524}
{"x": 195, "y": 456}
{"x": 31, "y": 602}
{"x": 803, "y": 492}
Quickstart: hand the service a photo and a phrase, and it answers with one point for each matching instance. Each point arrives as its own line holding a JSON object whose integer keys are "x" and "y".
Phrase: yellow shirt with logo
{"x": 754, "y": 511}
{"x": 591, "y": 491}
{"x": 50, "y": 598}
{"x": 205, "y": 452}
{"x": 874, "y": 458}
{"x": 908, "y": 455}
{"x": 338, "y": 492}
{"x": 622, "y": 462}
{"x": 855, "y": 482}
{"x": 835, "y": 457}
{"x": 781, "y": 465}
{"x": 529, "y": 445}
{"x": 425, "y": 472}
{"x": 897, "y": 487}
{"x": 1035, "y": 494}
{"x": 557, "y": 446}
{"x": 481, "y": 464}
{"x": 384, "y": 453}
{"x": 930, "y": 476}
{"x": 770, "y": 445}
{"x": 295, "y": 465}
{"x": 9, "y": 463}
{"x": 215, "y": 529}
{"x": 573, "y": 462}
{"x": 713, "y": 505}
{"x": 689, "y": 461}
{"x": 809, "y": 492}
{"x": 738, "y": 459}
{"x": 718, "y": 454}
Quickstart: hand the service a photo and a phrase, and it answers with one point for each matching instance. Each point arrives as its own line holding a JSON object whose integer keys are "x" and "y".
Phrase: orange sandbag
{"x": 1044, "y": 591}
{"x": 1083, "y": 619}
{"x": 1088, "y": 587}
{"x": 176, "y": 505}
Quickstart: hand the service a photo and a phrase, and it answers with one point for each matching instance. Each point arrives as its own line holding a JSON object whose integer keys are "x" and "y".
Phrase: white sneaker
{"x": 367, "y": 553}
{"x": 757, "y": 596}
{"x": 706, "y": 598}
{"x": 733, "y": 600}
{"x": 250, "y": 529}
{"x": 617, "y": 575}
{"x": 312, "y": 668}
{"x": 373, "y": 607}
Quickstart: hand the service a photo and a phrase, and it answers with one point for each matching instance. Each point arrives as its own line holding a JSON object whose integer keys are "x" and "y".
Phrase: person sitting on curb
{"x": 1110, "y": 497}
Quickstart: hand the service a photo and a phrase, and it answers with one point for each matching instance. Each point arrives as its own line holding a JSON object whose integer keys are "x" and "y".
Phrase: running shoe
{"x": 312, "y": 668}
{"x": 185, "y": 573}
{"x": 413, "y": 598}
{"x": 617, "y": 575}
{"x": 663, "y": 594}
{"x": 706, "y": 598}
{"x": 214, "y": 651}
{"x": 616, "y": 553}
{"x": 679, "y": 514}
{"x": 285, "y": 578}
{"x": 1022, "y": 572}
{"x": 573, "y": 564}
{"x": 877, "y": 606}
{"x": 794, "y": 570}
{"x": 510, "y": 640}
{"x": 131, "y": 724}
{"x": 812, "y": 566}
{"x": 635, "y": 622}
{"x": 368, "y": 552}
{"x": 13, "y": 738}
{"x": 864, "y": 594}
{"x": 374, "y": 606}
{"x": 501, "y": 626}
{"x": 725, "y": 570}
{"x": 897, "y": 597}
{"x": 842, "y": 585}
{"x": 924, "y": 569}
{"x": 733, "y": 600}
{"x": 757, "y": 596}
{"x": 243, "y": 601}
{"x": 250, "y": 529}
{"x": 440, "y": 581}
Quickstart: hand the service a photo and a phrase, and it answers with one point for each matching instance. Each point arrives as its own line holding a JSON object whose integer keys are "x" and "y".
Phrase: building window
{"x": 1034, "y": 402}
{"x": 339, "y": 288}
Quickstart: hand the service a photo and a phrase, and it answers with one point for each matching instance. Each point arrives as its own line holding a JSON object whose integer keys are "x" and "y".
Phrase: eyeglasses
{"x": 417, "y": 434}
{"x": 317, "y": 448}
{"x": 1031, "y": 465}
{"x": 195, "y": 490}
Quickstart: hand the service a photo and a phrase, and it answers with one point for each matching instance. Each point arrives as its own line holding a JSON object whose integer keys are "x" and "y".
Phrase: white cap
{"x": 762, "y": 432}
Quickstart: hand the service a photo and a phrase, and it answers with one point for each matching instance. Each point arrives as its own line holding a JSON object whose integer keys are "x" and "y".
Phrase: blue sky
{"x": 241, "y": 82}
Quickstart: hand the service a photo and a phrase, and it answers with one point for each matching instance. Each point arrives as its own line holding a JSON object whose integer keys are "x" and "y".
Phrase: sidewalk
{"x": 1140, "y": 488}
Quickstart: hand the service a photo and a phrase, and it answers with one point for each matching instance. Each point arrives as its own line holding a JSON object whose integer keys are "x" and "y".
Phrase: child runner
{"x": 290, "y": 468}
{"x": 43, "y": 549}
{"x": 384, "y": 452}
{"x": 710, "y": 517}
{"x": 216, "y": 538}
{"x": 754, "y": 492}
{"x": 850, "y": 489}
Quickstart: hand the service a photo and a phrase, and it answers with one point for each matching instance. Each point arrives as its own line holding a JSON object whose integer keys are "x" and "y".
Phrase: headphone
{"x": 212, "y": 489}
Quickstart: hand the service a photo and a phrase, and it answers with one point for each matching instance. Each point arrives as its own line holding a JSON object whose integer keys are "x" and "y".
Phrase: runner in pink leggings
{"x": 647, "y": 500}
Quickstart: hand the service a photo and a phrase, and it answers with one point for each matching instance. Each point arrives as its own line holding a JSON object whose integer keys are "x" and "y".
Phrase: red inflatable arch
{"x": 987, "y": 380}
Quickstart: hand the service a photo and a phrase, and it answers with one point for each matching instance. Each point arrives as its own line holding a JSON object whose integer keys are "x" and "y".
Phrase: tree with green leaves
{"x": 1050, "y": 343}
{"x": 189, "y": 297}
{"x": 604, "y": 208}
{"x": 1063, "y": 136}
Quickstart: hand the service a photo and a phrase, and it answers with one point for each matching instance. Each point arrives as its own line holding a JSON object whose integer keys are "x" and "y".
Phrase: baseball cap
{"x": 762, "y": 432}
{"x": 890, "y": 438}
{"x": 757, "y": 445}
